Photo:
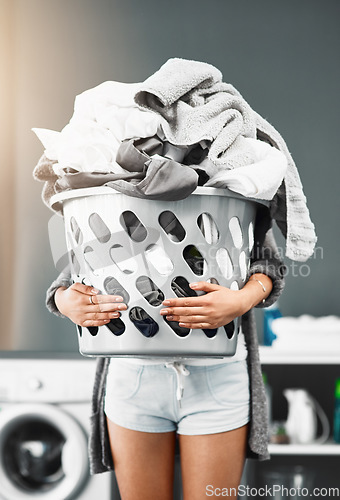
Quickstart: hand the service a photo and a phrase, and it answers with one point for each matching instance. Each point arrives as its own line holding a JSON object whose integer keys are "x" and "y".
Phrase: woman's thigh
{"x": 212, "y": 462}
{"x": 144, "y": 463}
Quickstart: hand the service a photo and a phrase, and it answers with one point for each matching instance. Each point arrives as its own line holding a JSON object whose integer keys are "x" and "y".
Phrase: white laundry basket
{"x": 149, "y": 250}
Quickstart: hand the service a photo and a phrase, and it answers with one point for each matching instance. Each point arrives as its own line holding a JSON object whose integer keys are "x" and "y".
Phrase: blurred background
{"x": 281, "y": 55}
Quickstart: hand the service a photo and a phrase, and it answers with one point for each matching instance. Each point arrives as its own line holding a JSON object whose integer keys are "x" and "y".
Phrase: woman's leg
{"x": 144, "y": 463}
{"x": 212, "y": 461}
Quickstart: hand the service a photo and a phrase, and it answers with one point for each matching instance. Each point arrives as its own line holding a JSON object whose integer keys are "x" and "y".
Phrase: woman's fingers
{"x": 105, "y": 305}
{"x": 95, "y": 322}
{"x": 102, "y": 309}
{"x": 196, "y": 326}
{"x": 99, "y": 322}
{"x": 193, "y": 317}
{"x": 91, "y": 296}
{"x": 85, "y": 289}
{"x": 98, "y": 319}
{"x": 198, "y": 301}
{"x": 105, "y": 299}
{"x": 184, "y": 311}
{"x": 102, "y": 303}
{"x": 86, "y": 306}
{"x": 101, "y": 315}
{"x": 189, "y": 319}
{"x": 217, "y": 307}
{"x": 204, "y": 286}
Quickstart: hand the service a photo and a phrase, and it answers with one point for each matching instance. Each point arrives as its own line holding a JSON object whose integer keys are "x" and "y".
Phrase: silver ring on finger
{"x": 91, "y": 300}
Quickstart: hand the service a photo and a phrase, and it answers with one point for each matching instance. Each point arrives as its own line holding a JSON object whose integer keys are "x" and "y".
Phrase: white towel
{"x": 260, "y": 179}
{"x": 307, "y": 333}
{"x": 103, "y": 117}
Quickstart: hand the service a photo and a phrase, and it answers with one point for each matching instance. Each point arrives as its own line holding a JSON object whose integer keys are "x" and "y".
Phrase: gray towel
{"x": 197, "y": 106}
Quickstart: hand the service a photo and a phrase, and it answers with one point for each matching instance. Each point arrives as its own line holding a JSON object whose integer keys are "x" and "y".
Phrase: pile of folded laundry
{"x": 307, "y": 333}
{"x": 181, "y": 128}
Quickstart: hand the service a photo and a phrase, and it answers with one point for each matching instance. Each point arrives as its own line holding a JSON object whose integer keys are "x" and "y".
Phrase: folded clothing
{"x": 307, "y": 333}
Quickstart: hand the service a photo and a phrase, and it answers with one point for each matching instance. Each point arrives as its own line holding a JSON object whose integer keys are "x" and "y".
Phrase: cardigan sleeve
{"x": 64, "y": 279}
{"x": 266, "y": 258}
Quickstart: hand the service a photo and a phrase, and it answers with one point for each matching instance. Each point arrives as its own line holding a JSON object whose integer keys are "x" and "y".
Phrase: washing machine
{"x": 44, "y": 426}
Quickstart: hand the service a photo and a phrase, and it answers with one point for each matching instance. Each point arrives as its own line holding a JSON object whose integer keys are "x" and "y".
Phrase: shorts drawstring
{"x": 180, "y": 370}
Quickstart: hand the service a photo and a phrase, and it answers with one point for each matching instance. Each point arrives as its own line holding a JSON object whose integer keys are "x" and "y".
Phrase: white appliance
{"x": 44, "y": 424}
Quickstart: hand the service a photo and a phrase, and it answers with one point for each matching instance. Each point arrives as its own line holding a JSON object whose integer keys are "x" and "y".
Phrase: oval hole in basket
{"x": 113, "y": 287}
{"x": 230, "y": 329}
{"x": 116, "y": 326}
{"x": 234, "y": 286}
{"x": 251, "y": 236}
{"x": 126, "y": 266}
{"x": 74, "y": 262}
{"x": 236, "y": 231}
{"x": 182, "y": 289}
{"x": 210, "y": 333}
{"x": 243, "y": 265}
{"x": 92, "y": 259}
{"x": 149, "y": 291}
{"x": 224, "y": 263}
{"x": 156, "y": 255}
{"x": 179, "y": 330}
{"x": 133, "y": 226}
{"x": 180, "y": 286}
{"x": 76, "y": 231}
{"x": 93, "y": 330}
{"x": 80, "y": 331}
{"x": 171, "y": 225}
{"x": 143, "y": 322}
{"x": 208, "y": 228}
{"x": 99, "y": 228}
{"x": 194, "y": 259}
{"x": 86, "y": 281}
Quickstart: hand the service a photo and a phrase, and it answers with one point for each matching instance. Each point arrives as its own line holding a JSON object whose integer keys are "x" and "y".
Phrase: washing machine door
{"x": 43, "y": 453}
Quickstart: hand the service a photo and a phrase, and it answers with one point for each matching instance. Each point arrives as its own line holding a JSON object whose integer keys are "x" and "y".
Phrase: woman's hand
{"x": 218, "y": 307}
{"x": 84, "y": 305}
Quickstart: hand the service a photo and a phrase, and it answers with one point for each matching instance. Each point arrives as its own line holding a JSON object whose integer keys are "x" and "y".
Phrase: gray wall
{"x": 281, "y": 55}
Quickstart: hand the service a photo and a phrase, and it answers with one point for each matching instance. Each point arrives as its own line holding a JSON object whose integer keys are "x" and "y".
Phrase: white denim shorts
{"x": 191, "y": 400}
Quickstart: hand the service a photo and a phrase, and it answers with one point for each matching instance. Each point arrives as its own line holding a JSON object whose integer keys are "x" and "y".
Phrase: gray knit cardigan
{"x": 265, "y": 259}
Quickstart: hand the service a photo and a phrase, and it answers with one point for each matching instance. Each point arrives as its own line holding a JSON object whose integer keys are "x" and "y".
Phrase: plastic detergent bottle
{"x": 270, "y": 313}
{"x": 336, "y": 422}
